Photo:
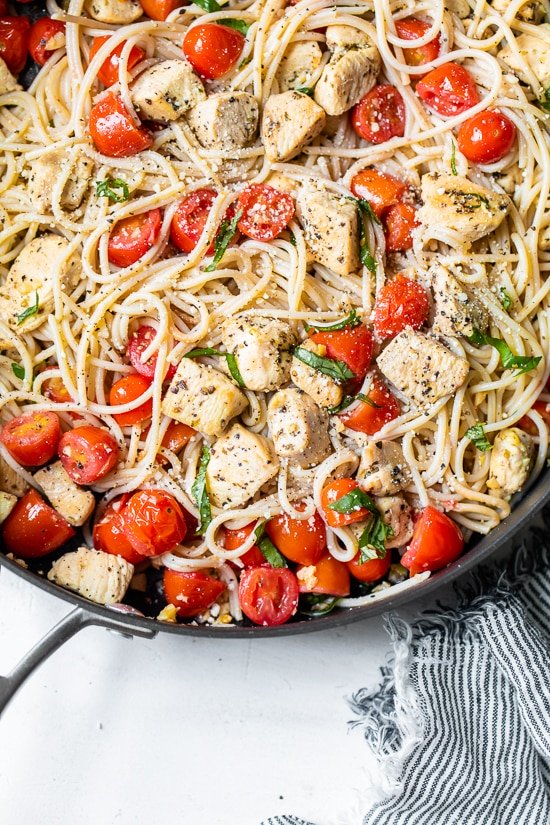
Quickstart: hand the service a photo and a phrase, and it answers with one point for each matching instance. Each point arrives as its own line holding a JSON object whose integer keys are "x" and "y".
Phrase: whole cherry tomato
{"x": 486, "y": 137}
{"x": 370, "y": 417}
{"x": 160, "y": 9}
{"x": 108, "y": 72}
{"x": 301, "y": 540}
{"x": 353, "y": 345}
{"x": 44, "y": 38}
{"x": 212, "y": 49}
{"x": 232, "y": 539}
{"x": 88, "y": 453}
{"x": 401, "y": 303}
{"x": 333, "y": 492}
{"x": 448, "y": 90}
{"x": 127, "y": 389}
{"x": 268, "y": 595}
{"x": 380, "y": 115}
{"x": 132, "y": 237}
{"x": 32, "y": 439}
{"x": 437, "y": 541}
{"x": 109, "y": 534}
{"x": 34, "y": 529}
{"x": 380, "y": 190}
{"x": 328, "y": 576}
{"x": 411, "y": 28}
{"x": 137, "y": 345}
{"x": 191, "y": 593}
{"x": 14, "y": 34}
{"x": 113, "y": 131}
{"x": 265, "y": 211}
{"x": 400, "y": 221}
{"x": 369, "y": 571}
{"x": 154, "y": 522}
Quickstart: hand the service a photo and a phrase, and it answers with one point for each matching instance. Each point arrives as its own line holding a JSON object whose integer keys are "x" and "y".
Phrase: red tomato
{"x": 88, "y": 453}
{"x": 3, "y": 7}
{"x": 154, "y": 522}
{"x": 301, "y": 540}
{"x": 369, "y": 419}
{"x": 380, "y": 190}
{"x": 212, "y": 49}
{"x": 127, "y": 389}
{"x": 232, "y": 539}
{"x": 352, "y": 345}
{"x": 160, "y": 9}
{"x": 528, "y": 425}
{"x": 113, "y": 131}
{"x": 437, "y": 541}
{"x": 34, "y": 529}
{"x": 369, "y": 571}
{"x": 14, "y": 33}
{"x": 331, "y": 577}
{"x": 54, "y": 389}
{"x": 265, "y": 211}
{"x": 191, "y": 593}
{"x": 380, "y": 115}
{"x": 334, "y": 491}
{"x": 448, "y": 90}
{"x": 132, "y": 237}
{"x": 109, "y": 532}
{"x": 190, "y": 219}
{"x": 486, "y": 137}
{"x": 137, "y": 345}
{"x": 401, "y": 303}
{"x": 32, "y": 439}
{"x": 268, "y": 595}
{"x": 411, "y": 28}
{"x": 40, "y": 35}
{"x": 108, "y": 73}
{"x": 177, "y": 435}
{"x": 400, "y": 222}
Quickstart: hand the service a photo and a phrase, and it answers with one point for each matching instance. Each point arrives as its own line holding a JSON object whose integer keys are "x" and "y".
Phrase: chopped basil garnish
{"x": 372, "y": 542}
{"x": 245, "y": 62}
{"x": 229, "y": 357}
{"x": 453, "y": 159}
{"x": 267, "y": 548}
{"x": 236, "y": 23}
{"x": 208, "y": 5}
{"x": 544, "y": 101}
{"x": 18, "y": 371}
{"x": 30, "y": 311}
{"x": 224, "y": 236}
{"x": 351, "y": 320}
{"x": 366, "y": 208}
{"x": 292, "y": 237}
{"x": 200, "y": 493}
{"x": 477, "y": 436}
{"x": 348, "y": 401}
{"x": 337, "y": 370}
{"x": 505, "y": 299}
{"x": 305, "y": 90}
{"x": 523, "y": 363}
{"x": 354, "y": 500}
{"x": 115, "y": 189}
{"x": 314, "y": 604}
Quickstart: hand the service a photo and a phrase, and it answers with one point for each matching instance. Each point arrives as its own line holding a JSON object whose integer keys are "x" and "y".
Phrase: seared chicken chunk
{"x": 383, "y": 470}
{"x": 351, "y": 71}
{"x": 225, "y": 121}
{"x": 241, "y": 462}
{"x": 10, "y": 481}
{"x": 290, "y": 121}
{"x": 7, "y": 503}
{"x": 331, "y": 228}
{"x": 322, "y": 388}
{"x": 301, "y": 60}
{"x": 202, "y": 398}
{"x": 459, "y": 7}
{"x": 45, "y": 173}
{"x": 262, "y": 349}
{"x": 167, "y": 90}
{"x": 75, "y": 504}
{"x": 530, "y": 12}
{"x": 457, "y": 310}
{"x": 98, "y": 576}
{"x": 8, "y": 83}
{"x": 119, "y": 12}
{"x": 511, "y": 459}
{"x": 535, "y": 51}
{"x": 298, "y": 427}
{"x": 421, "y": 368}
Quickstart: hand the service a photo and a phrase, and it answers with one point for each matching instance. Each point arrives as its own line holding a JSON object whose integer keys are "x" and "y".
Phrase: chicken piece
{"x": 262, "y": 349}
{"x": 8, "y": 83}
{"x": 241, "y": 462}
{"x": 202, "y": 398}
{"x": 75, "y": 504}
{"x": 457, "y": 311}
{"x": 279, "y": 181}
{"x": 98, "y": 576}
{"x": 421, "y": 368}
{"x": 10, "y": 481}
{"x": 119, "y": 12}
{"x": 167, "y": 90}
{"x": 300, "y": 62}
{"x": 456, "y": 203}
{"x": 7, "y": 503}
{"x": 383, "y": 470}
{"x": 290, "y": 121}
{"x": 32, "y": 273}
{"x": 298, "y": 427}
{"x": 45, "y": 173}
{"x": 351, "y": 71}
{"x": 535, "y": 51}
{"x": 322, "y": 388}
{"x": 397, "y": 514}
{"x": 225, "y": 121}
{"x": 510, "y": 179}
{"x": 331, "y": 228}
{"x": 459, "y": 7}
{"x": 510, "y": 463}
{"x": 532, "y": 11}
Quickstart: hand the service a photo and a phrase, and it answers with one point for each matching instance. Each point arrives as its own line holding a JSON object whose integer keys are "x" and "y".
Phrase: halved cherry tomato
{"x": 113, "y": 131}
{"x": 486, "y": 137}
{"x": 329, "y": 576}
{"x": 132, "y": 237}
{"x": 14, "y": 33}
{"x": 268, "y": 595}
{"x": 190, "y": 219}
{"x": 265, "y": 211}
{"x": 34, "y": 529}
{"x": 108, "y": 73}
{"x": 353, "y": 345}
{"x": 127, "y": 389}
{"x": 3, "y": 7}
{"x": 401, "y": 303}
{"x": 380, "y": 115}
{"x": 333, "y": 492}
{"x": 369, "y": 571}
{"x": 232, "y": 539}
{"x": 212, "y": 49}
{"x": 137, "y": 345}
{"x": 301, "y": 540}
{"x": 88, "y": 453}
{"x": 380, "y": 190}
{"x": 528, "y": 425}
{"x": 109, "y": 534}
{"x": 42, "y": 38}
{"x": 154, "y": 522}
{"x": 54, "y": 389}
{"x": 400, "y": 222}
{"x": 160, "y": 9}
{"x": 369, "y": 418}
{"x": 448, "y": 90}
{"x": 191, "y": 593}
{"x": 177, "y": 435}
{"x": 32, "y": 439}
{"x": 411, "y": 28}
{"x": 437, "y": 541}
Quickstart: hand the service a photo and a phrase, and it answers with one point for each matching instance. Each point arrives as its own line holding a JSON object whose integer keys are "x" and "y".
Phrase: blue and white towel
{"x": 461, "y": 723}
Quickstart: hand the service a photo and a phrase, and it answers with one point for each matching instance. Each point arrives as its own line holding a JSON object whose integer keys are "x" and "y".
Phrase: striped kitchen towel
{"x": 461, "y": 724}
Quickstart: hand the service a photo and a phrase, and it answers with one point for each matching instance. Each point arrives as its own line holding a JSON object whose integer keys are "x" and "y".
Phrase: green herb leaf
{"x": 267, "y": 548}
{"x": 372, "y": 542}
{"x": 313, "y": 604}
{"x": 367, "y": 209}
{"x": 348, "y": 401}
{"x": 236, "y": 23}
{"x": 207, "y": 5}
{"x": 292, "y": 237}
{"x": 470, "y": 201}
{"x": 337, "y": 370}
{"x": 523, "y": 363}
{"x": 200, "y": 352}
{"x": 115, "y": 189}
{"x": 224, "y": 236}
{"x": 477, "y": 436}
{"x": 505, "y": 299}
{"x": 30, "y": 311}
{"x": 354, "y": 500}
{"x": 544, "y": 101}
{"x": 245, "y": 62}
{"x": 351, "y": 320}
{"x": 200, "y": 493}
{"x": 453, "y": 159}
{"x": 305, "y": 90}
{"x": 18, "y": 371}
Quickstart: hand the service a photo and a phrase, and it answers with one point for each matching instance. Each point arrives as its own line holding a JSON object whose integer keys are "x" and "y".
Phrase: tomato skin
{"x": 191, "y": 593}
{"x": 400, "y": 222}
{"x": 177, "y": 435}
{"x": 108, "y": 73}
{"x": 34, "y": 529}
{"x": 411, "y": 28}
{"x": 212, "y": 49}
{"x": 137, "y": 345}
{"x": 132, "y": 237}
{"x": 268, "y": 596}
{"x": 367, "y": 419}
{"x": 448, "y": 90}
{"x": 332, "y": 492}
{"x": 32, "y": 439}
{"x": 380, "y": 190}
{"x": 154, "y": 522}
{"x": 486, "y": 137}
{"x": 54, "y": 389}
{"x": 332, "y": 578}
{"x": 380, "y": 115}
{"x": 88, "y": 453}
{"x": 113, "y": 131}
{"x": 529, "y": 426}
{"x": 40, "y": 33}
{"x": 190, "y": 219}
{"x": 232, "y": 539}
{"x": 353, "y": 345}
{"x": 437, "y": 541}
{"x": 160, "y": 9}
{"x": 265, "y": 211}
{"x": 301, "y": 540}
{"x": 127, "y": 389}
{"x": 14, "y": 33}
{"x": 369, "y": 571}
{"x": 109, "y": 534}
{"x": 401, "y": 303}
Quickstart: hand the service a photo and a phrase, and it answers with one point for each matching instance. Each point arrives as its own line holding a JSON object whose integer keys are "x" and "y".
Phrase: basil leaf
{"x": 523, "y": 363}
{"x": 230, "y": 358}
{"x": 18, "y": 371}
{"x": 366, "y": 208}
{"x": 313, "y": 604}
{"x": 267, "y": 548}
{"x": 544, "y": 101}
{"x": 108, "y": 189}
{"x": 200, "y": 493}
{"x": 224, "y": 236}
{"x": 305, "y": 90}
{"x": 292, "y": 237}
{"x": 238, "y": 24}
{"x": 354, "y": 500}
{"x": 372, "y": 542}
{"x": 351, "y": 320}
{"x": 337, "y": 370}
{"x": 477, "y": 436}
{"x": 244, "y": 62}
{"x": 207, "y": 5}
{"x": 369, "y": 401}
{"x": 505, "y": 299}
{"x": 349, "y": 399}
{"x": 364, "y": 251}
{"x": 30, "y": 311}
{"x": 453, "y": 160}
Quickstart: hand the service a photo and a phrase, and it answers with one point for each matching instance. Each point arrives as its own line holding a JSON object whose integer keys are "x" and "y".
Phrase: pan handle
{"x": 71, "y": 624}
